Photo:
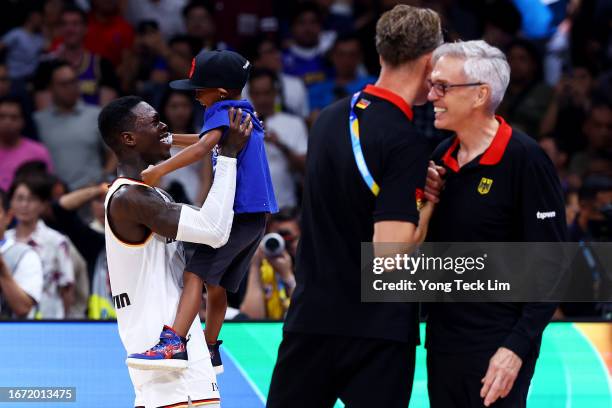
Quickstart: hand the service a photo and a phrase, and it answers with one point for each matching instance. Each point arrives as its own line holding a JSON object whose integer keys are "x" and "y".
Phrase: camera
{"x": 273, "y": 244}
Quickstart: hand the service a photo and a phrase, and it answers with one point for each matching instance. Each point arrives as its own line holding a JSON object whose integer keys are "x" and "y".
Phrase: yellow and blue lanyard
{"x": 357, "y": 151}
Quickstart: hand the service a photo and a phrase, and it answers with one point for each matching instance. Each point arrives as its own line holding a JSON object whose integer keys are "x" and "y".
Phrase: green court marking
{"x": 254, "y": 346}
{"x": 569, "y": 372}
{"x": 552, "y": 385}
{"x": 419, "y": 385}
{"x": 567, "y": 353}
{"x": 595, "y": 388}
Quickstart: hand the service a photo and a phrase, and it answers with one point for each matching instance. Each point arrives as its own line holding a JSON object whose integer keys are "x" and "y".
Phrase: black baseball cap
{"x": 216, "y": 69}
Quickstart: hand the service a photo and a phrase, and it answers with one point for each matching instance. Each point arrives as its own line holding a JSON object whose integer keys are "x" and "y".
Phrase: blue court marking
{"x": 87, "y": 356}
{"x": 90, "y": 357}
{"x": 237, "y": 390}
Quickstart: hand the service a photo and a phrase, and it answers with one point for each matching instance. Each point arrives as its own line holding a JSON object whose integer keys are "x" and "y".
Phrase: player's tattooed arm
{"x": 136, "y": 210}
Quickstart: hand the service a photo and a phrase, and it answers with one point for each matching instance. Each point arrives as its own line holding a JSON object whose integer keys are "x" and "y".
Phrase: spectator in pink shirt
{"x": 15, "y": 149}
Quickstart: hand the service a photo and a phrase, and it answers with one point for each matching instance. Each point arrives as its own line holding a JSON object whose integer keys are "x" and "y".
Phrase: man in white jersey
{"x": 145, "y": 259}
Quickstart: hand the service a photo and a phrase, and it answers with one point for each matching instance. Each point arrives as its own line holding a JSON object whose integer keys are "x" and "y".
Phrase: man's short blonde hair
{"x": 405, "y": 33}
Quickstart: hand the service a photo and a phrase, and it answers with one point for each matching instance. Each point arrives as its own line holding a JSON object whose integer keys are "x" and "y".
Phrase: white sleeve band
{"x": 212, "y": 224}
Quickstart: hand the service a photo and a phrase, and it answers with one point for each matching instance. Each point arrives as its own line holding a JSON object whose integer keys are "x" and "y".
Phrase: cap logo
{"x": 192, "y": 68}
{"x": 246, "y": 65}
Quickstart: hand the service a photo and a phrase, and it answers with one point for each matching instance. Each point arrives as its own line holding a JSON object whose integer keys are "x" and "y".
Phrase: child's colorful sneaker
{"x": 169, "y": 354}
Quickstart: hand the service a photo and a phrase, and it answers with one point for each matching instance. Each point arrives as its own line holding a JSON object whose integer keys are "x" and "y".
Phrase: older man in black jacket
{"x": 499, "y": 186}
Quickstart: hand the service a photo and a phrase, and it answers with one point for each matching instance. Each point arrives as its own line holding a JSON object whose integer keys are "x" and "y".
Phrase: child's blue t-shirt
{"x": 254, "y": 192}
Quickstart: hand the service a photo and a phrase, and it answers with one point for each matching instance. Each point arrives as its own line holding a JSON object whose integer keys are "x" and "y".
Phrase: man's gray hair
{"x": 482, "y": 63}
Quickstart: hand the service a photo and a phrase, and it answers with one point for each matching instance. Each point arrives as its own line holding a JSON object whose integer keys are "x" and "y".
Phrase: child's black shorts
{"x": 227, "y": 266}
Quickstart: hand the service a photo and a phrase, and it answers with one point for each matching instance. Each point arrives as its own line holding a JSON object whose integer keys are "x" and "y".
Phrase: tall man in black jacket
{"x": 498, "y": 183}
{"x": 363, "y": 183}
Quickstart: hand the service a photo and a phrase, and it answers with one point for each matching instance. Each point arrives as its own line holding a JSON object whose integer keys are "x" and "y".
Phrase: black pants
{"x": 312, "y": 371}
{"x": 453, "y": 381}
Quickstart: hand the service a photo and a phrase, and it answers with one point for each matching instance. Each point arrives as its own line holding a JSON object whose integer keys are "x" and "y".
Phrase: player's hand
{"x": 238, "y": 133}
{"x": 503, "y": 369}
{"x": 150, "y": 176}
{"x": 434, "y": 182}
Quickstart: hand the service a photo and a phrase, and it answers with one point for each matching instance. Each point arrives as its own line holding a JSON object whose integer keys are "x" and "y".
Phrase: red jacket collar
{"x": 491, "y": 156}
{"x": 391, "y": 97}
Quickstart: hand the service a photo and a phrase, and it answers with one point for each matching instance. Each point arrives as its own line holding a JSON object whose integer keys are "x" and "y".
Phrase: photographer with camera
{"x": 271, "y": 280}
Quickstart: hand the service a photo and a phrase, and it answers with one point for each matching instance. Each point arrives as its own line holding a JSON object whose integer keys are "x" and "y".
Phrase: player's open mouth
{"x": 167, "y": 139}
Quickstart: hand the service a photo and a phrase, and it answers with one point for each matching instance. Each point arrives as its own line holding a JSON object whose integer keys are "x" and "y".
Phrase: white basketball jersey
{"x": 146, "y": 282}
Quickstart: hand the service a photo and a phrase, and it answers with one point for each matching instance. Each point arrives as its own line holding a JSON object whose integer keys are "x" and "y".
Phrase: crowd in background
{"x": 64, "y": 60}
